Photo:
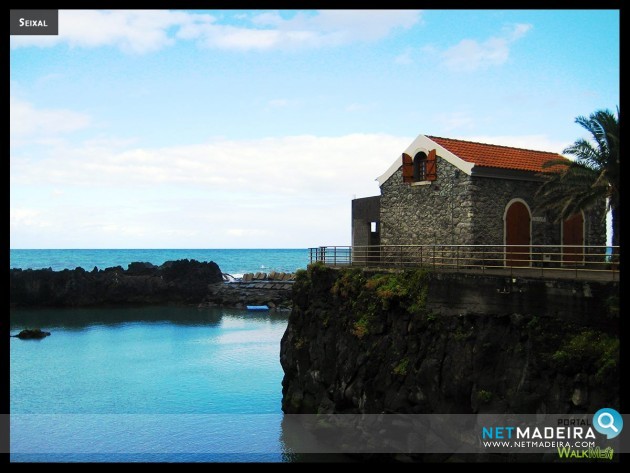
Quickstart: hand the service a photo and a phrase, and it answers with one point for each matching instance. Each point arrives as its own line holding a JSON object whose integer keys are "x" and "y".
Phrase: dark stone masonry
{"x": 465, "y": 210}
{"x": 274, "y": 294}
{"x": 258, "y": 289}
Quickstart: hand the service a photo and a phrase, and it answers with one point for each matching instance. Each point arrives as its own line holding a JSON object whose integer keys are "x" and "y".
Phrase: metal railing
{"x": 598, "y": 262}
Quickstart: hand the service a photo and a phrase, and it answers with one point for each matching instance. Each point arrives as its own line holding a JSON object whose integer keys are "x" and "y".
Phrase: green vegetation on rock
{"x": 367, "y": 296}
{"x": 401, "y": 368}
{"x": 484, "y": 396}
{"x": 591, "y": 352}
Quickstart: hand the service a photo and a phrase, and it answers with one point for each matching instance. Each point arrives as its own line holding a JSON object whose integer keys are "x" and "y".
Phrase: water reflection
{"x": 155, "y": 361}
{"x": 80, "y": 318}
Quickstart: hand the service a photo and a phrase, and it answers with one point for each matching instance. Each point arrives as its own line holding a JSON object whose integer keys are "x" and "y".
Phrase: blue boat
{"x": 257, "y": 307}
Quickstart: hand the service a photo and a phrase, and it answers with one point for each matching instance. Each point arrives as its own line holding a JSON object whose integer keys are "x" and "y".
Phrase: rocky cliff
{"x": 365, "y": 342}
{"x": 182, "y": 281}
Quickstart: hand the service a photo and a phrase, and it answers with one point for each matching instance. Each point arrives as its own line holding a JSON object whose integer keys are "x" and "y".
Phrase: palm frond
{"x": 570, "y": 186}
{"x": 585, "y": 153}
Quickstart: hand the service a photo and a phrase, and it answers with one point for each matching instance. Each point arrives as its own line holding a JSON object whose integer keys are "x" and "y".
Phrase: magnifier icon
{"x": 610, "y": 424}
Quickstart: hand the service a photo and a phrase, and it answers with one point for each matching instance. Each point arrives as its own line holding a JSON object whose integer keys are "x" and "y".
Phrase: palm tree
{"x": 571, "y": 186}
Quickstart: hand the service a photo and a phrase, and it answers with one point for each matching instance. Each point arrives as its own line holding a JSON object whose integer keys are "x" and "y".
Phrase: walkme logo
{"x": 607, "y": 422}
{"x": 571, "y": 437}
{"x": 34, "y": 22}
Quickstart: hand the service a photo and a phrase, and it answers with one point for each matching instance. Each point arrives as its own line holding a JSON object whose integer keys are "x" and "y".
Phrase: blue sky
{"x": 255, "y": 128}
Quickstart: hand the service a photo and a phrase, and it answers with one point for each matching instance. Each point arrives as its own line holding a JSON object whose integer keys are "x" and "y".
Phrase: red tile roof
{"x": 494, "y": 156}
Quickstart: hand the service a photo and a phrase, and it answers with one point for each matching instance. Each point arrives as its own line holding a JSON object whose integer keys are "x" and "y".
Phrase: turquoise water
{"x": 173, "y": 384}
{"x": 147, "y": 384}
{"x": 234, "y": 262}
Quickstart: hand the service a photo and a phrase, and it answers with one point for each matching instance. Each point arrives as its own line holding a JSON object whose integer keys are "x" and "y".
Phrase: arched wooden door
{"x": 517, "y": 232}
{"x": 573, "y": 239}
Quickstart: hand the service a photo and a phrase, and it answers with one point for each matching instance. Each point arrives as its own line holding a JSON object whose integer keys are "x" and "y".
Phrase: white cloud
{"x": 314, "y": 29}
{"x": 517, "y": 31}
{"x": 470, "y": 54}
{"x": 271, "y": 18}
{"x": 274, "y": 192}
{"x": 144, "y": 31}
{"x": 349, "y": 25}
{"x": 291, "y": 165}
{"x": 230, "y": 37}
{"x": 26, "y": 121}
{"x": 19, "y": 214}
{"x": 53, "y": 77}
{"x": 404, "y": 58}
{"x": 246, "y": 232}
{"x": 293, "y": 191}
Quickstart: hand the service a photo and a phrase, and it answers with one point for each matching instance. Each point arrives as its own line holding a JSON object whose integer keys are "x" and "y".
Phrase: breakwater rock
{"x": 272, "y": 276}
{"x": 31, "y": 333}
{"x": 182, "y": 281}
{"x": 275, "y": 294}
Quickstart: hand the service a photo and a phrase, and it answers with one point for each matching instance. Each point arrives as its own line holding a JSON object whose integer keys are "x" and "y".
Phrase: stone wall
{"x": 274, "y": 294}
{"x": 436, "y": 213}
{"x": 595, "y": 226}
{"x": 467, "y": 210}
{"x": 489, "y": 200}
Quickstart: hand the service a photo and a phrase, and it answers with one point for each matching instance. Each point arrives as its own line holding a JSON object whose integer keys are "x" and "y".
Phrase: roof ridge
{"x": 496, "y": 146}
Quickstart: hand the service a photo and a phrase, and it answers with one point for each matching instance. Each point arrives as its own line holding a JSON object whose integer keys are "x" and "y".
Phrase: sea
{"x": 149, "y": 384}
{"x": 235, "y": 262}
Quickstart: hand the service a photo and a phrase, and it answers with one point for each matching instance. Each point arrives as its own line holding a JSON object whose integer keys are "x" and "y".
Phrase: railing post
{"x": 576, "y": 270}
{"x": 457, "y": 259}
{"x": 551, "y": 258}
